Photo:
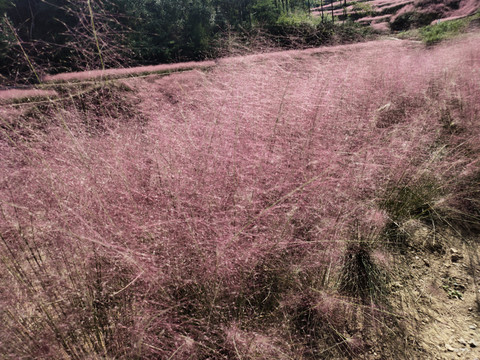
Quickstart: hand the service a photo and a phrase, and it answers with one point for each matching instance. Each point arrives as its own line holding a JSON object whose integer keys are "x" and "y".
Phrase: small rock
{"x": 449, "y": 347}
{"x": 456, "y": 255}
{"x": 462, "y": 341}
{"x": 473, "y": 327}
{"x": 472, "y": 343}
{"x": 470, "y": 309}
{"x": 426, "y": 262}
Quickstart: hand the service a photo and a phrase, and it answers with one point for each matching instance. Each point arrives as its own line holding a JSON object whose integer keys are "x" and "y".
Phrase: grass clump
{"x": 462, "y": 206}
{"x": 360, "y": 277}
{"x": 412, "y": 201}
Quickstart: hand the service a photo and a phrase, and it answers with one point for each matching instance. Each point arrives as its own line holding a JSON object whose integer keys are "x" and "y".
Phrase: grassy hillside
{"x": 268, "y": 207}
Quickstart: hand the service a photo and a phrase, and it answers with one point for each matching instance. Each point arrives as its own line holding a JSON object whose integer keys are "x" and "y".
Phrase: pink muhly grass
{"x": 222, "y": 197}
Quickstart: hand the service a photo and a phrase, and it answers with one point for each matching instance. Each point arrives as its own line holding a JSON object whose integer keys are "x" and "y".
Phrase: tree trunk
{"x": 333, "y": 19}
{"x": 321, "y": 8}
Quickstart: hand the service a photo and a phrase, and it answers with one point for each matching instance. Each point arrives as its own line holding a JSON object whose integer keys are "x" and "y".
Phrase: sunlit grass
{"x": 234, "y": 213}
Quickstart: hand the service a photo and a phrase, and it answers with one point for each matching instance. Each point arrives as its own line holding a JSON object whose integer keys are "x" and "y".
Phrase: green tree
{"x": 38, "y": 27}
{"x": 265, "y": 11}
{"x": 197, "y": 31}
{"x": 4, "y": 5}
{"x": 165, "y": 30}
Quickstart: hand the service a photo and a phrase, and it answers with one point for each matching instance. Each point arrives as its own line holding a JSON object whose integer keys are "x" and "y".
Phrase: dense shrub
{"x": 411, "y": 20}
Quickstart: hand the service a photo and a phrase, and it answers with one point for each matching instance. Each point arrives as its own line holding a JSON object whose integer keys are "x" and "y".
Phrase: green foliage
{"x": 265, "y": 12}
{"x": 362, "y": 9}
{"x": 39, "y": 31}
{"x": 42, "y": 20}
{"x": 197, "y": 31}
{"x": 7, "y": 41}
{"x": 412, "y": 19}
{"x": 433, "y": 34}
{"x": 4, "y": 5}
{"x": 300, "y": 19}
{"x": 453, "y": 288}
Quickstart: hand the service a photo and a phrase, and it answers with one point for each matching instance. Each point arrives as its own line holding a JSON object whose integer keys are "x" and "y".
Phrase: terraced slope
{"x": 400, "y": 13}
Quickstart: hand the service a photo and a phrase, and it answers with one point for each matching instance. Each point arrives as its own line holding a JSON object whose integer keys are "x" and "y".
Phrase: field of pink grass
{"x": 211, "y": 219}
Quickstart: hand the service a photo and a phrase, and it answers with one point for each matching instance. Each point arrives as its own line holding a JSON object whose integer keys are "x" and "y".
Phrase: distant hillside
{"x": 399, "y": 14}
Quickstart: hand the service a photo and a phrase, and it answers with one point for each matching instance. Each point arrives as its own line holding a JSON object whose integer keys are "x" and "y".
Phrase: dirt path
{"x": 437, "y": 294}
